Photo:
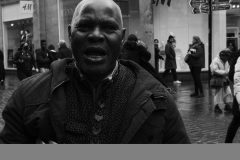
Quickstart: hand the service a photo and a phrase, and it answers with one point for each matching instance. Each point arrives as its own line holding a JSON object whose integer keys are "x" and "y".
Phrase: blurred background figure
{"x": 2, "y": 70}
{"x": 52, "y": 53}
{"x": 196, "y": 62}
{"x": 42, "y": 57}
{"x": 220, "y": 68}
{"x": 24, "y": 61}
{"x": 63, "y": 50}
{"x": 136, "y": 50}
{"x": 170, "y": 62}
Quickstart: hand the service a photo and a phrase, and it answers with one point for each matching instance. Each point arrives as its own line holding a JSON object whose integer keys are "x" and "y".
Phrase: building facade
{"x": 48, "y": 20}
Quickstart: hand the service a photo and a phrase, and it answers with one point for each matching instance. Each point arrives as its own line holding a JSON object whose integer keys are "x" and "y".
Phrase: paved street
{"x": 202, "y": 124}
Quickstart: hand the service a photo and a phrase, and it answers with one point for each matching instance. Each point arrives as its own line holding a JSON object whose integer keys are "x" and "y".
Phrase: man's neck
{"x": 97, "y": 79}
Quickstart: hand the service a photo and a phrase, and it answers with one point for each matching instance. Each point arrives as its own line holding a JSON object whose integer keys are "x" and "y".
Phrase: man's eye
{"x": 83, "y": 27}
{"x": 110, "y": 28}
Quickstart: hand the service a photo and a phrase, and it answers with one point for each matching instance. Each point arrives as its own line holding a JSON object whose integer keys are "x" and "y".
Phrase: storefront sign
{"x": 196, "y": 3}
{"x": 26, "y": 7}
{"x": 204, "y": 8}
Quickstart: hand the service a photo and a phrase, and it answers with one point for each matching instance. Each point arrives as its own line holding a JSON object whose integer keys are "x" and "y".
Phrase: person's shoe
{"x": 193, "y": 95}
{"x": 200, "y": 95}
{"x": 177, "y": 82}
{"x": 217, "y": 109}
{"x": 228, "y": 108}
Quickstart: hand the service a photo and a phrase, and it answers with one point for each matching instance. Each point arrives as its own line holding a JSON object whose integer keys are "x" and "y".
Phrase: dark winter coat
{"x": 42, "y": 58}
{"x": 170, "y": 62}
{"x": 64, "y": 52}
{"x": 35, "y": 112}
{"x": 197, "y": 59}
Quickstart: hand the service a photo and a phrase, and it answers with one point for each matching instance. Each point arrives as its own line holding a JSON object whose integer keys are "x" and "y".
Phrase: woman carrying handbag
{"x": 220, "y": 68}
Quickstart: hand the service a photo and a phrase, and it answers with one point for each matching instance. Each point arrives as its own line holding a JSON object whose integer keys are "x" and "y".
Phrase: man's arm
{"x": 14, "y": 130}
{"x": 174, "y": 130}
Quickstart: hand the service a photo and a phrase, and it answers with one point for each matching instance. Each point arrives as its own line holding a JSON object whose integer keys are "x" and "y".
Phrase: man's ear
{"x": 70, "y": 32}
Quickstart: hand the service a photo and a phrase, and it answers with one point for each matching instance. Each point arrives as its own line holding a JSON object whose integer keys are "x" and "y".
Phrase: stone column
{"x": 146, "y": 23}
{"x": 36, "y": 24}
{"x": 1, "y": 29}
{"x": 219, "y": 32}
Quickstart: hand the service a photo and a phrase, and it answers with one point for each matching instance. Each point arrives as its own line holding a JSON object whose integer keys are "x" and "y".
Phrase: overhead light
{"x": 238, "y": 6}
{"x": 12, "y": 24}
{"x": 233, "y": 6}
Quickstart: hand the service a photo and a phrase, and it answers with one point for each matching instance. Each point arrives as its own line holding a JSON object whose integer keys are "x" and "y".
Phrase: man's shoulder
{"x": 35, "y": 86}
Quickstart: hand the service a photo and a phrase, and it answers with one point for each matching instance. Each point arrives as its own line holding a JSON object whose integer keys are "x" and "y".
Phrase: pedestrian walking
{"x": 42, "y": 57}
{"x": 220, "y": 68}
{"x": 2, "y": 69}
{"x": 196, "y": 61}
{"x": 25, "y": 62}
{"x": 235, "y": 123}
{"x": 93, "y": 98}
{"x": 170, "y": 61}
{"x": 63, "y": 50}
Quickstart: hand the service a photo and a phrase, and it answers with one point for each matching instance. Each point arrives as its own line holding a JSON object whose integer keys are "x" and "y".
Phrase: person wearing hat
{"x": 223, "y": 95}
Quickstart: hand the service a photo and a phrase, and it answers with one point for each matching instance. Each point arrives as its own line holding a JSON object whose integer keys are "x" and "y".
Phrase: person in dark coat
{"x": 136, "y": 51}
{"x": 2, "y": 70}
{"x": 52, "y": 53}
{"x": 42, "y": 57}
{"x": 196, "y": 62}
{"x": 25, "y": 62}
{"x": 63, "y": 50}
{"x": 93, "y": 98}
{"x": 170, "y": 63}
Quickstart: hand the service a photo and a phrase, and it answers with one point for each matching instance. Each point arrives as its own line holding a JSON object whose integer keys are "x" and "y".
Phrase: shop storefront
{"x": 179, "y": 19}
{"x": 16, "y": 18}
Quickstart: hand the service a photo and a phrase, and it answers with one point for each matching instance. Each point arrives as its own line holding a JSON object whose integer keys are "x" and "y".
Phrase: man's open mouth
{"x": 95, "y": 55}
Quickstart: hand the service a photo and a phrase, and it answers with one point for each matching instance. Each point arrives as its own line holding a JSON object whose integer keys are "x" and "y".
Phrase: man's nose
{"x": 96, "y": 35}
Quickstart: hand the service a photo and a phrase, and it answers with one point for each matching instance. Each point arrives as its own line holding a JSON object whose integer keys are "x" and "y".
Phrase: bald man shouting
{"x": 94, "y": 97}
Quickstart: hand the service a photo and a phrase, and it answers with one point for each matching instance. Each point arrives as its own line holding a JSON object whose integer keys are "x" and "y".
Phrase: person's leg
{"x": 232, "y": 129}
{"x": 166, "y": 72}
{"x": 194, "y": 80}
{"x": 174, "y": 74}
{"x": 199, "y": 87}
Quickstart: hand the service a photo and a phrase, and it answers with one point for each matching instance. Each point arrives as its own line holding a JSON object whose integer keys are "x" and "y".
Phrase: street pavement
{"x": 202, "y": 124}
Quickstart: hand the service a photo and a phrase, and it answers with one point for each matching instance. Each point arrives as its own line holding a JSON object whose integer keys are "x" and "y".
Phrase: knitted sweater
{"x": 94, "y": 115}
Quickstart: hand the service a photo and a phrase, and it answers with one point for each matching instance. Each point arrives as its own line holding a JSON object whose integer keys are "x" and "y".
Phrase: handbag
{"x": 187, "y": 58}
{"x": 217, "y": 82}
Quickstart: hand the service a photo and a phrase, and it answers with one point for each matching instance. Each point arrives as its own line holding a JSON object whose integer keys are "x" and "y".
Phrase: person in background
{"x": 2, "y": 70}
{"x": 93, "y": 98}
{"x": 42, "y": 57}
{"x": 235, "y": 123}
{"x": 25, "y": 62}
{"x": 136, "y": 51}
{"x": 196, "y": 62}
{"x": 170, "y": 62}
{"x": 63, "y": 50}
{"x": 223, "y": 95}
{"x": 52, "y": 53}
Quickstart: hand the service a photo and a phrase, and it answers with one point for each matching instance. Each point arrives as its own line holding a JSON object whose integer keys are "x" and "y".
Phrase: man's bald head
{"x": 84, "y": 3}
